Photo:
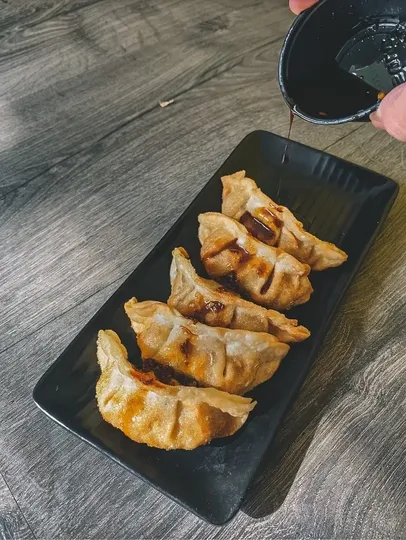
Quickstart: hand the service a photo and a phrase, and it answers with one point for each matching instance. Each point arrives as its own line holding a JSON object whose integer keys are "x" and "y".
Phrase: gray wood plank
{"x": 338, "y": 469}
{"x": 93, "y": 172}
{"x": 13, "y": 525}
{"x": 111, "y": 54}
{"x": 18, "y": 12}
{"x": 61, "y": 210}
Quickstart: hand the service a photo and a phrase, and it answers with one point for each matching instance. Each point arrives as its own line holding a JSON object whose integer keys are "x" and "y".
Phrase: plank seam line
{"x": 342, "y": 138}
{"x": 18, "y": 506}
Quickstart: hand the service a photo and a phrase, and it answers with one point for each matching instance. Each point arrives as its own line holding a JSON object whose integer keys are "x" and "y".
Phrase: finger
{"x": 391, "y": 114}
{"x": 376, "y": 121}
{"x": 300, "y": 5}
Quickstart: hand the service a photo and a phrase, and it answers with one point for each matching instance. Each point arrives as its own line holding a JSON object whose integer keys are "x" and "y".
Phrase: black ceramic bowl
{"x": 330, "y": 42}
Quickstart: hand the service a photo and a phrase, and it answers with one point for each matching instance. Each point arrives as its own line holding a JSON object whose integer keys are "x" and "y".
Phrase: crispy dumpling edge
{"x": 236, "y": 407}
{"x": 293, "y": 225}
{"x": 285, "y": 329}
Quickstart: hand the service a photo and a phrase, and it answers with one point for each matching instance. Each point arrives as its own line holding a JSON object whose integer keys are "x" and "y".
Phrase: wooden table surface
{"x": 92, "y": 173}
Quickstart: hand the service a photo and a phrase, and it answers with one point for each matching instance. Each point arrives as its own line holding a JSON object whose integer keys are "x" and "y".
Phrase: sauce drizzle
{"x": 243, "y": 254}
{"x": 230, "y": 281}
{"x": 158, "y": 374}
{"x": 257, "y": 228}
{"x": 234, "y": 247}
{"x": 186, "y": 347}
{"x": 267, "y": 284}
{"x": 291, "y": 118}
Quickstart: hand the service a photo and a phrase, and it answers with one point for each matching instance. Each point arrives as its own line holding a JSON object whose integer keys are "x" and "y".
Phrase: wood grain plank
{"x": 17, "y": 13}
{"x": 337, "y": 472}
{"x": 110, "y": 54}
{"x": 13, "y": 525}
{"x": 93, "y": 173}
{"x": 64, "y": 210}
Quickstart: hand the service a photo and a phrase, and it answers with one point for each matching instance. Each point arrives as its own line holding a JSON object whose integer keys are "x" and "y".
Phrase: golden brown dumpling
{"x": 274, "y": 224}
{"x": 231, "y": 360}
{"x": 150, "y": 412}
{"x": 212, "y": 304}
{"x": 270, "y": 276}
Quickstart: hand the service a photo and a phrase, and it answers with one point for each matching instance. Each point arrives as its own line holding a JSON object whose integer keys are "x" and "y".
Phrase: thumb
{"x": 300, "y": 5}
{"x": 391, "y": 115}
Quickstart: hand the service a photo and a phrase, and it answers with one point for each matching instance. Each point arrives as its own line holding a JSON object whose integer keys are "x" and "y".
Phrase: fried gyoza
{"x": 212, "y": 304}
{"x": 274, "y": 224}
{"x": 269, "y": 275}
{"x": 231, "y": 360}
{"x": 150, "y": 412}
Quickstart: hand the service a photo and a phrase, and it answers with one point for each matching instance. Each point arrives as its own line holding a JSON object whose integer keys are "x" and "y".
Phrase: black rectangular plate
{"x": 336, "y": 201}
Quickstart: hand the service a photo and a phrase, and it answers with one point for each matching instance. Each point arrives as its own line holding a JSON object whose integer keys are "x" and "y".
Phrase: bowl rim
{"x": 297, "y": 24}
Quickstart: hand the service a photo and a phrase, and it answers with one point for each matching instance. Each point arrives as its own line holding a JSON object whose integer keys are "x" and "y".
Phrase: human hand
{"x": 300, "y": 5}
{"x": 391, "y": 114}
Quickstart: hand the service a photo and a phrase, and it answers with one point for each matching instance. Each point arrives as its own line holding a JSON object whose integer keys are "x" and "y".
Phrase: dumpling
{"x": 150, "y": 412}
{"x": 212, "y": 304}
{"x": 275, "y": 225}
{"x": 270, "y": 276}
{"x": 234, "y": 361}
